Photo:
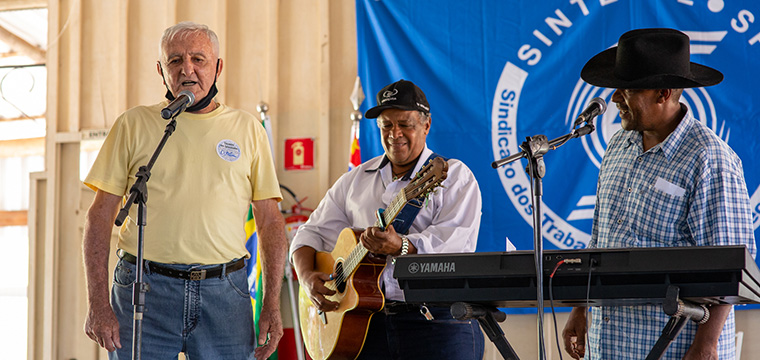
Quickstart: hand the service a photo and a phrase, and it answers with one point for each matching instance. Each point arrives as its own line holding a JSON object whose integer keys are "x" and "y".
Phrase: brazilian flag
{"x": 254, "y": 271}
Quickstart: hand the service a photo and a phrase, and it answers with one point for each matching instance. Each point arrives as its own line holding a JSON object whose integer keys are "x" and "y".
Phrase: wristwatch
{"x": 404, "y": 247}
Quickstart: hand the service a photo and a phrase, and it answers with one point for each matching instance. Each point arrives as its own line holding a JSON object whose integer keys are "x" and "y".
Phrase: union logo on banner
{"x": 496, "y": 72}
{"x": 529, "y": 90}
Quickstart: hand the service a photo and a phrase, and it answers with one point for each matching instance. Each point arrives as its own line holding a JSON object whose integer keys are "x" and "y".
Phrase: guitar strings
{"x": 359, "y": 251}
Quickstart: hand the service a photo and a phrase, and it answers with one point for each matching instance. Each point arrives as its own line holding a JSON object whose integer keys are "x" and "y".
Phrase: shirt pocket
{"x": 661, "y": 214}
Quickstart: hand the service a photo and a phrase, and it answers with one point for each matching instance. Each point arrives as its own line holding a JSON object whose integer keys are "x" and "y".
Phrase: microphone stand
{"x": 139, "y": 195}
{"x": 534, "y": 148}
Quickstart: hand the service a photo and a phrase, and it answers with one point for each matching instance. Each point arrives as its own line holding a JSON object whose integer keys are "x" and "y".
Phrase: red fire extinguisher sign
{"x": 299, "y": 154}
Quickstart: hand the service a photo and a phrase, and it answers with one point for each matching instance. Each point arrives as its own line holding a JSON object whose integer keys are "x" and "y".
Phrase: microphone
{"x": 595, "y": 107}
{"x": 178, "y": 105}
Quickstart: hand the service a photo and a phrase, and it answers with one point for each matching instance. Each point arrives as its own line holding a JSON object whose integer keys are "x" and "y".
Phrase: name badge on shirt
{"x": 668, "y": 187}
{"x": 228, "y": 150}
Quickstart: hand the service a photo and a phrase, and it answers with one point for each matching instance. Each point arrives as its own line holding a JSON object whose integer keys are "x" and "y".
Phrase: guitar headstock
{"x": 427, "y": 179}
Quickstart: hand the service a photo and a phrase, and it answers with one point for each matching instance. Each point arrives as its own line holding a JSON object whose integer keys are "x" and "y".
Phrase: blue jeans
{"x": 205, "y": 319}
{"x": 409, "y": 336}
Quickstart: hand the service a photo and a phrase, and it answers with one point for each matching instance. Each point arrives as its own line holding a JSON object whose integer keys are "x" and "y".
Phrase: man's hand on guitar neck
{"x": 313, "y": 281}
{"x": 386, "y": 242}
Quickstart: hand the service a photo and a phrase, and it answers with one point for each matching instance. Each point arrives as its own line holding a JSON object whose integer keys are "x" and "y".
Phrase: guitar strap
{"x": 405, "y": 217}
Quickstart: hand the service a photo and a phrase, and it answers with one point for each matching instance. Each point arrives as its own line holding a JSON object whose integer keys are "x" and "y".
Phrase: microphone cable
{"x": 551, "y": 304}
{"x": 591, "y": 264}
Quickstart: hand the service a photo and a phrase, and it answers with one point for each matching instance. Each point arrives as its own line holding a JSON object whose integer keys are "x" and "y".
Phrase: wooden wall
{"x": 299, "y": 56}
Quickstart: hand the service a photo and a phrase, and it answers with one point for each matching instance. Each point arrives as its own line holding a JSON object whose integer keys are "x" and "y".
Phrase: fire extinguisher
{"x": 295, "y": 216}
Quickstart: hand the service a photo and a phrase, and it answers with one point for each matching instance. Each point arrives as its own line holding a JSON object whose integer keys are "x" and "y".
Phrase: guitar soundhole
{"x": 340, "y": 283}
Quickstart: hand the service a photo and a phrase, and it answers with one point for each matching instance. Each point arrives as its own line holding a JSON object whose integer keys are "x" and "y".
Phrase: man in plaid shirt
{"x": 666, "y": 180}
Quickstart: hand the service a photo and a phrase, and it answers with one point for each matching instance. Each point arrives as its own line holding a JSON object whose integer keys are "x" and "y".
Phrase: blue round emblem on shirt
{"x": 228, "y": 150}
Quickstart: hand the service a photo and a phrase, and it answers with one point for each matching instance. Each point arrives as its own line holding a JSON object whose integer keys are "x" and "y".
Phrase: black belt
{"x": 212, "y": 272}
{"x": 398, "y": 307}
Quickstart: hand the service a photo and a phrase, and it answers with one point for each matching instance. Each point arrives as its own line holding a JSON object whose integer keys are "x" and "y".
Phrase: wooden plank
{"x": 6, "y": 5}
{"x": 36, "y": 288}
{"x": 33, "y": 117}
{"x": 13, "y": 218}
{"x": 22, "y": 46}
{"x": 22, "y": 147}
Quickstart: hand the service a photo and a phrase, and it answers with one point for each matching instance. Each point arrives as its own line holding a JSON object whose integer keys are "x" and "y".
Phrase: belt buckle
{"x": 198, "y": 274}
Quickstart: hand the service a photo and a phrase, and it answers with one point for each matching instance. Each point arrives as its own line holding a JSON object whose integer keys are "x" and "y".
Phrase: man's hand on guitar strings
{"x": 314, "y": 285}
{"x": 377, "y": 241}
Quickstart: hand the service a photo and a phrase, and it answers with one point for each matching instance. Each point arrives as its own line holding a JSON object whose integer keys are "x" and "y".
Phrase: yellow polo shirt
{"x": 200, "y": 187}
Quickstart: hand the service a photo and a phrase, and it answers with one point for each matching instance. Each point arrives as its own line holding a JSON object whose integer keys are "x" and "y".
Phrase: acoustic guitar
{"x": 340, "y": 334}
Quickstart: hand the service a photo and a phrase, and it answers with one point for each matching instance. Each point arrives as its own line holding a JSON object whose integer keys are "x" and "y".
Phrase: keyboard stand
{"x": 487, "y": 318}
{"x": 680, "y": 313}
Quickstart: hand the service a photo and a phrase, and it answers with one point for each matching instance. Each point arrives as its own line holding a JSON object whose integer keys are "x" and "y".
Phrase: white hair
{"x": 183, "y": 29}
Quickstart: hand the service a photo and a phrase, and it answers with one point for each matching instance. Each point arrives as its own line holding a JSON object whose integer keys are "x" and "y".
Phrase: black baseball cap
{"x": 403, "y": 95}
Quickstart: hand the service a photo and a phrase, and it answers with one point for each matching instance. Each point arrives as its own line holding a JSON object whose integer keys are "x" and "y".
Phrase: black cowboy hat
{"x": 649, "y": 59}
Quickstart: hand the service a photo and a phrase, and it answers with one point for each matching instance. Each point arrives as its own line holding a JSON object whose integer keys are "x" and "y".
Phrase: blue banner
{"x": 496, "y": 72}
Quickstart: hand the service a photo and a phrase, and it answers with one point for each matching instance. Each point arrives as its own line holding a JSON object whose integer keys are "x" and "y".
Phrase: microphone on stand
{"x": 178, "y": 105}
{"x": 595, "y": 107}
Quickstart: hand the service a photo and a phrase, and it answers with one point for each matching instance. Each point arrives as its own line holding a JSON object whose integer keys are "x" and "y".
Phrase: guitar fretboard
{"x": 359, "y": 251}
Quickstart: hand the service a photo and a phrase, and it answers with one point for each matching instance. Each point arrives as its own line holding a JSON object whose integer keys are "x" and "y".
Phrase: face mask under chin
{"x": 198, "y": 105}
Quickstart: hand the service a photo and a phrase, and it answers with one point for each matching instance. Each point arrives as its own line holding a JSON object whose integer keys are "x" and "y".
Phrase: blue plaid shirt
{"x": 688, "y": 190}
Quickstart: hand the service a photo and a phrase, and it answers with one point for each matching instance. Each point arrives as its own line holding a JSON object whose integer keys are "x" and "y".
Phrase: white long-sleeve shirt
{"x": 448, "y": 223}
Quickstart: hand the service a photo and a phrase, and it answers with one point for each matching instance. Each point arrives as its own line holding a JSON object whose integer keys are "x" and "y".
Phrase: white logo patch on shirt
{"x": 228, "y": 150}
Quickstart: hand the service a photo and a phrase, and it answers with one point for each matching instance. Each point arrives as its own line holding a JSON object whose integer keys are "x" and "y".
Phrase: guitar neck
{"x": 392, "y": 211}
{"x": 359, "y": 251}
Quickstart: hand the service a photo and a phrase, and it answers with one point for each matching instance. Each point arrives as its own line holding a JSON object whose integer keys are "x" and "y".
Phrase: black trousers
{"x": 408, "y": 335}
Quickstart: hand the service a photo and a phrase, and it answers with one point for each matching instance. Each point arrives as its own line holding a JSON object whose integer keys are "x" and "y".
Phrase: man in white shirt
{"x": 448, "y": 222}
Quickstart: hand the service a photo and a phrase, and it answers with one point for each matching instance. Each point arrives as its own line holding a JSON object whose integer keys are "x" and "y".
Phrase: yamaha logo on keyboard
{"x": 435, "y": 267}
